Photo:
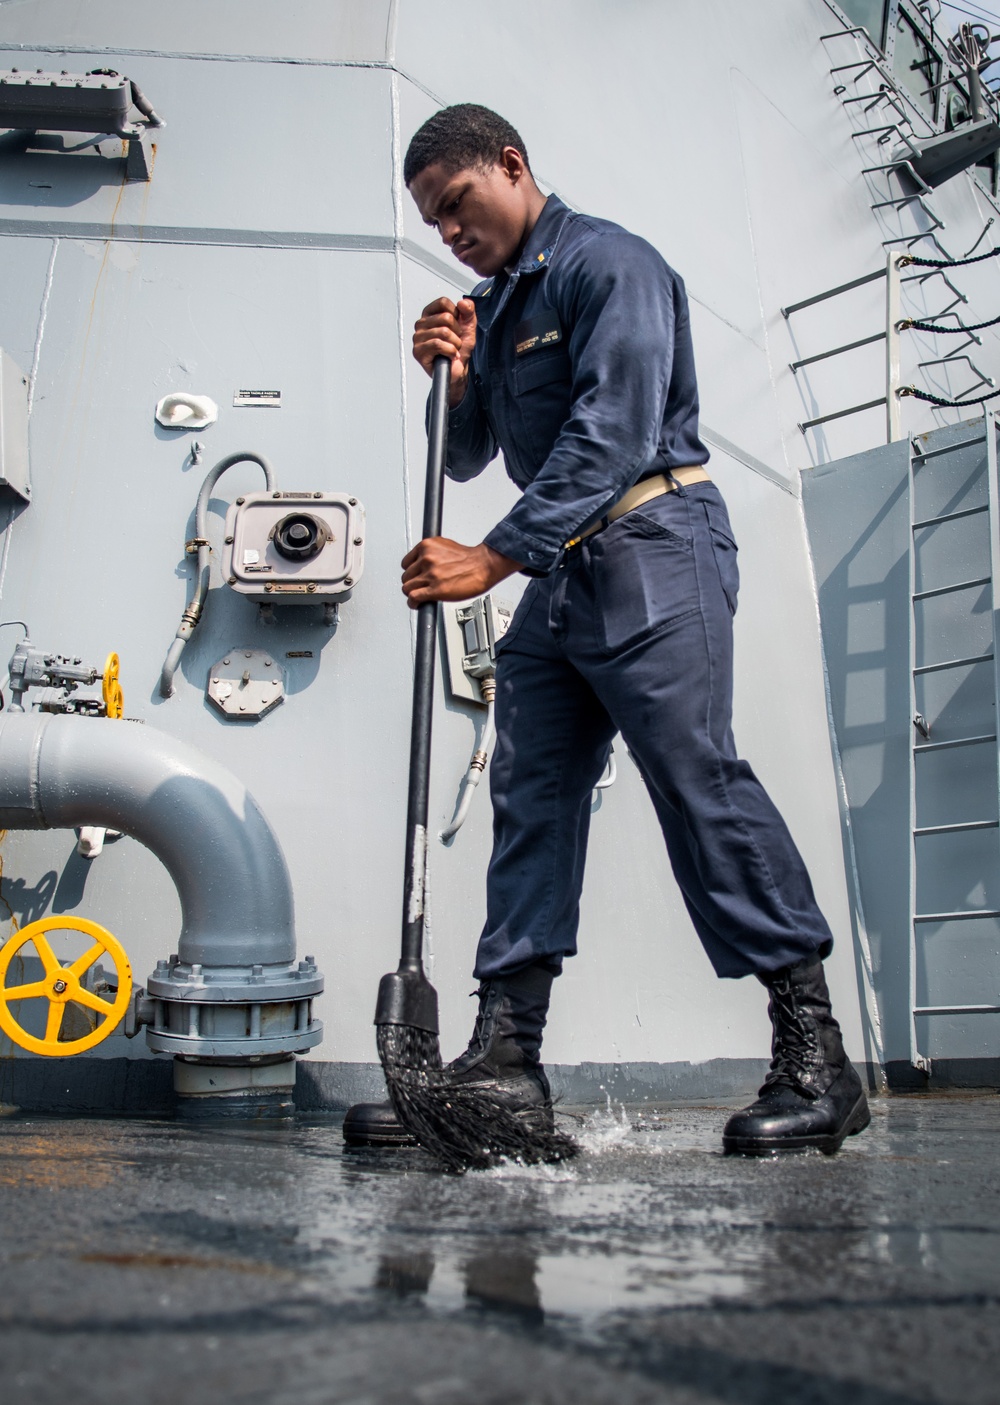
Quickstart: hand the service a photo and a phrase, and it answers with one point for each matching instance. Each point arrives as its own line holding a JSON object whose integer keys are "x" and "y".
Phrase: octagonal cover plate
{"x": 245, "y": 684}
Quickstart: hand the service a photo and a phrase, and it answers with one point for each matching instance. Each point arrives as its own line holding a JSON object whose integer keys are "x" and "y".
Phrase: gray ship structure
{"x": 211, "y": 457}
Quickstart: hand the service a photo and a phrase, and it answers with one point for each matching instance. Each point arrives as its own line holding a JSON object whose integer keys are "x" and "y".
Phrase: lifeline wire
{"x": 908, "y": 322}
{"x": 939, "y": 400}
{"x": 907, "y": 259}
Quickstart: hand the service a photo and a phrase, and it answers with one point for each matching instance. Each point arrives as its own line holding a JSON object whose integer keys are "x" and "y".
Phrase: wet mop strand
{"x": 462, "y": 1127}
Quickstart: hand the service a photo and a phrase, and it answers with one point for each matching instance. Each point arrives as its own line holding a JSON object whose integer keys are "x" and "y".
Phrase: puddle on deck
{"x": 652, "y": 1250}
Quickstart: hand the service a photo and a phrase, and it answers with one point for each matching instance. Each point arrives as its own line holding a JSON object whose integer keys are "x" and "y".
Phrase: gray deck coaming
{"x": 128, "y": 1086}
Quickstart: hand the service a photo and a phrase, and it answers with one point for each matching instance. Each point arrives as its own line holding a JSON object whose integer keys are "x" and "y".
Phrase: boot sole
{"x": 401, "y": 1138}
{"x": 828, "y": 1143}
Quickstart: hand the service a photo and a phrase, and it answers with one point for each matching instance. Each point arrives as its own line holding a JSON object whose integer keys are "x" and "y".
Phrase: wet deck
{"x": 159, "y": 1262}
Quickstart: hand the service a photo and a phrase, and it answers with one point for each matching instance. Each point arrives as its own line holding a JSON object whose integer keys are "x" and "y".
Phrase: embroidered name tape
{"x": 537, "y": 332}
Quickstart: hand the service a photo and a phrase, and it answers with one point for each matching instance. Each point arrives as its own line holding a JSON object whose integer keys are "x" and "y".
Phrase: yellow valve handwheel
{"x": 62, "y": 984}
{"x": 111, "y": 688}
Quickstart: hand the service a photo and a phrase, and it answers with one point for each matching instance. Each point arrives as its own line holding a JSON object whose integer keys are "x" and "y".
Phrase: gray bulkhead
{"x": 275, "y": 246}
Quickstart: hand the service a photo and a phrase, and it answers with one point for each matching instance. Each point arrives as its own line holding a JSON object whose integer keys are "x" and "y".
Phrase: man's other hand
{"x": 440, "y": 569}
{"x": 447, "y": 329}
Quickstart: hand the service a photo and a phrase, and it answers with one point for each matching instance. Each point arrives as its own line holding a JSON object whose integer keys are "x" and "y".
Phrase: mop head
{"x": 462, "y": 1127}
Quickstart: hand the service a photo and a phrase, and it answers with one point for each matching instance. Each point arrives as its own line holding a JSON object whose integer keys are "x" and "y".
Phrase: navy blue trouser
{"x": 633, "y": 634}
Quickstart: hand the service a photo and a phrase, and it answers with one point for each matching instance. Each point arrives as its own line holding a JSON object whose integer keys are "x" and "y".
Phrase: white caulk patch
{"x": 418, "y": 868}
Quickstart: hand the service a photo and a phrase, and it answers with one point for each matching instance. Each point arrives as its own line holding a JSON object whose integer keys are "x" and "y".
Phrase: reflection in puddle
{"x": 571, "y": 1241}
{"x": 650, "y": 1219}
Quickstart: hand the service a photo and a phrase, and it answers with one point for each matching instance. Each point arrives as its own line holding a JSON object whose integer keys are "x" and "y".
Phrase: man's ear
{"x": 512, "y": 163}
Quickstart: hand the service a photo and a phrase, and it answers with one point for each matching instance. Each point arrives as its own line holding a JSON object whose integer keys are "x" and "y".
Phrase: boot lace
{"x": 795, "y": 1049}
{"x": 480, "y": 1032}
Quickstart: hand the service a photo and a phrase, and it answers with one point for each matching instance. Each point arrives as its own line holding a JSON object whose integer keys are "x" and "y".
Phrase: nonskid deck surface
{"x": 157, "y": 1261}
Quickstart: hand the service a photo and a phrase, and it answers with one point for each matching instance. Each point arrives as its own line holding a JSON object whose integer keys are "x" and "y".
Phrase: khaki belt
{"x": 643, "y": 492}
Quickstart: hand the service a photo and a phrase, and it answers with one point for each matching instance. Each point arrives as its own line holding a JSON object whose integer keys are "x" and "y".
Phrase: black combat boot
{"x": 502, "y": 1057}
{"x": 812, "y": 1096}
{"x": 501, "y": 1060}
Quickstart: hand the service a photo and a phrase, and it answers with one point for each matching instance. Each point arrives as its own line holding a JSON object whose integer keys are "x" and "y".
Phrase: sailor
{"x": 573, "y": 356}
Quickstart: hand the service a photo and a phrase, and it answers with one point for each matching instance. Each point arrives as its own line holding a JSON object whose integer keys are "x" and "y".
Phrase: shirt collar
{"x": 539, "y": 248}
{"x": 542, "y": 239}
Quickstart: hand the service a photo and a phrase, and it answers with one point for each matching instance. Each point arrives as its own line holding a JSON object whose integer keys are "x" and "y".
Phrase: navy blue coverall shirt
{"x": 583, "y": 374}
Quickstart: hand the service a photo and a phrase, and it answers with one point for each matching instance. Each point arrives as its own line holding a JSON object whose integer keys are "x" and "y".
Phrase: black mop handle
{"x": 423, "y": 683}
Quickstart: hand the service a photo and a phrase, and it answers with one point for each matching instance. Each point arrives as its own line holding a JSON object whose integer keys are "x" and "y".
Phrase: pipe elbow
{"x": 60, "y": 772}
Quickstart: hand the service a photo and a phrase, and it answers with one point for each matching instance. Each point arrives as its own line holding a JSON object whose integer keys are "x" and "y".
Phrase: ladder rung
{"x": 951, "y": 516}
{"x": 951, "y": 448}
{"x": 957, "y": 1010}
{"x": 956, "y": 828}
{"x": 949, "y": 589}
{"x": 953, "y": 663}
{"x": 961, "y": 741}
{"x": 956, "y": 916}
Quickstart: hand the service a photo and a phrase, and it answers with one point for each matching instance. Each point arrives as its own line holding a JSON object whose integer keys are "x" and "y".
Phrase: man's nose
{"x": 449, "y": 231}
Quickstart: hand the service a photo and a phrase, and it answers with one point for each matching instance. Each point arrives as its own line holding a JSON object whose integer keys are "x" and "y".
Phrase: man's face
{"x": 481, "y": 214}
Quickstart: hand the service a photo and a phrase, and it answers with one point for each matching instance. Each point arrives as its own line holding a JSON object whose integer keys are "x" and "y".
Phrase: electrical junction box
{"x": 294, "y": 548}
{"x": 36, "y": 100}
{"x": 13, "y": 428}
{"x": 471, "y": 631}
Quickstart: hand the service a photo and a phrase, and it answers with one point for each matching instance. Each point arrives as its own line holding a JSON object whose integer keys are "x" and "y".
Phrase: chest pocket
{"x": 540, "y": 368}
{"x": 543, "y": 393}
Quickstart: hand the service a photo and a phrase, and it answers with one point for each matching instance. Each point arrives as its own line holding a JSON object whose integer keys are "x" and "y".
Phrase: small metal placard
{"x": 270, "y": 399}
{"x": 245, "y": 684}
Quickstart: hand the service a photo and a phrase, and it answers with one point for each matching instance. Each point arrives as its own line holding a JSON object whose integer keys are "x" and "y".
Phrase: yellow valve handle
{"x": 62, "y": 984}
{"x": 111, "y": 688}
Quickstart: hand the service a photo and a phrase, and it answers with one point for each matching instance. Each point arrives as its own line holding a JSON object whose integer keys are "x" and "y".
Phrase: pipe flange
{"x": 179, "y": 980}
{"x": 163, "y": 1041}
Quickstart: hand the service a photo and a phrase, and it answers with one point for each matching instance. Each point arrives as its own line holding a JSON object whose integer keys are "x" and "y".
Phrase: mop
{"x": 461, "y": 1126}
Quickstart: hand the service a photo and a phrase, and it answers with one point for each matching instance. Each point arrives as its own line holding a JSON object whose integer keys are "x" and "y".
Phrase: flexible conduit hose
{"x": 477, "y": 765}
{"x": 145, "y": 106}
{"x": 611, "y": 773}
{"x": 193, "y": 610}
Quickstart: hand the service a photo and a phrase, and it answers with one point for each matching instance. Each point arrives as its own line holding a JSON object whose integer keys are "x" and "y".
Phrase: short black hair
{"x": 459, "y": 137}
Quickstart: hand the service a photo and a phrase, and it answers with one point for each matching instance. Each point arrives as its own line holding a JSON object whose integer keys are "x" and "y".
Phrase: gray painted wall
{"x": 275, "y": 245}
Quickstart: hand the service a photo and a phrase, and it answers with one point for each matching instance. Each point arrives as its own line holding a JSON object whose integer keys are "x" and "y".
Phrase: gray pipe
{"x": 196, "y": 817}
{"x": 192, "y": 611}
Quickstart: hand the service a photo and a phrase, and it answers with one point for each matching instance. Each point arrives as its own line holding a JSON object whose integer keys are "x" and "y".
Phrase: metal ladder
{"x": 923, "y": 742}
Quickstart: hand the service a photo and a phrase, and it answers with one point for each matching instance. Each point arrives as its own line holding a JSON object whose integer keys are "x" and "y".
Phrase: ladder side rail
{"x": 993, "y": 503}
{"x": 917, "y": 1059}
